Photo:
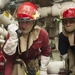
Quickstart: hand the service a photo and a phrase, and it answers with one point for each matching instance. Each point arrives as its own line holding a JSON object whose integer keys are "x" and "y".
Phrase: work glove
{"x": 64, "y": 56}
{"x": 44, "y": 63}
{"x": 12, "y": 31}
{"x": 12, "y": 42}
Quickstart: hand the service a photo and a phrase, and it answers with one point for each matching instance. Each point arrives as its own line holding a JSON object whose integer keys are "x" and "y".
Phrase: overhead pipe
{"x": 3, "y": 3}
{"x": 73, "y": 0}
{"x": 6, "y": 18}
{"x": 56, "y": 10}
{"x": 53, "y": 10}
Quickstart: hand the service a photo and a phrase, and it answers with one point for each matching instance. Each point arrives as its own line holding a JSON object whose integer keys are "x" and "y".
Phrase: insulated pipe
{"x": 6, "y": 18}
{"x": 54, "y": 10}
{"x": 3, "y": 32}
{"x": 44, "y": 11}
{"x": 3, "y": 3}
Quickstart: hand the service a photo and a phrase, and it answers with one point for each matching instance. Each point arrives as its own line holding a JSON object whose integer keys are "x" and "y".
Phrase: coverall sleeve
{"x": 45, "y": 53}
{"x": 9, "y": 48}
{"x": 45, "y": 49}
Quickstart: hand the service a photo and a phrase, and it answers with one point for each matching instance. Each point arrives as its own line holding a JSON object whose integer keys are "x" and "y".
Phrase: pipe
{"x": 3, "y": 3}
{"x": 44, "y": 11}
{"x": 54, "y": 10}
{"x": 73, "y": 0}
{"x": 3, "y": 32}
{"x": 6, "y": 18}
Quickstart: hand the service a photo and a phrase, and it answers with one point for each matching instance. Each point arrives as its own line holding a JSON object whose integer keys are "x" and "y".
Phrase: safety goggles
{"x": 66, "y": 21}
{"x": 24, "y": 20}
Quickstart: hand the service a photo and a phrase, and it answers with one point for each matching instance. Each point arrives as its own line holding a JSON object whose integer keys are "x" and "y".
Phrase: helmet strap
{"x": 29, "y": 36}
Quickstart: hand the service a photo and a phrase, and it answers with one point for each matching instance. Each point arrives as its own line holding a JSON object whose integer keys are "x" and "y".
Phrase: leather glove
{"x": 12, "y": 42}
{"x": 44, "y": 63}
{"x": 64, "y": 56}
{"x": 12, "y": 31}
{"x": 43, "y": 72}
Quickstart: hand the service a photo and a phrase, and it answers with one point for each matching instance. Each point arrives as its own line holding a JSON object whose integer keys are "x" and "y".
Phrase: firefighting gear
{"x": 27, "y": 11}
{"x": 41, "y": 42}
{"x": 12, "y": 31}
{"x": 43, "y": 72}
{"x": 69, "y": 13}
{"x": 70, "y": 60}
{"x": 68, "y": 18}
{"x": 13, "y": 40}
{"x": 44, "y": 63}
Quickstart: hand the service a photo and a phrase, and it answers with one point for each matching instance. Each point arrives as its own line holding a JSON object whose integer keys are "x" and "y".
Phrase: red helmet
{"x": 69, "y": 13}
{"x": 27, "y": 11}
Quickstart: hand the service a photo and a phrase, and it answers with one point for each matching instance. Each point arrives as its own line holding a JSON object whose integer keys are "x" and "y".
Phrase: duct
{"x": 3, "y": 3}
{"x": 55, "y": 9}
